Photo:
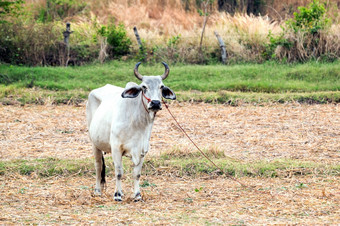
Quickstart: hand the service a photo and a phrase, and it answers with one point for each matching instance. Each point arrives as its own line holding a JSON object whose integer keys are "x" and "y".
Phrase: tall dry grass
{"x": 183, "y": 13}
{"x": 245, "y": 36}
{"x": 322, "y": 46}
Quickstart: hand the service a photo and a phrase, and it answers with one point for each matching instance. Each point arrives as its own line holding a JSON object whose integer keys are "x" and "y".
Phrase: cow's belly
{"x": 105, "y": 147}
{"x": 100, "y": 130}
{"x": 101, "y": 139}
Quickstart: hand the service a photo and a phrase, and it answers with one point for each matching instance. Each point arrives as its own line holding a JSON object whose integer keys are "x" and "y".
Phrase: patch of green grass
{"x": 146, "y": 183}
{"x": 237, "y": 98}
{"x": 2, "y": 168}
{"x": 309, "y": 82}
{"x": 26, "y": 169}
{"x": 46, "y": 167}
{"x": 178, "y": 152}
{"x": 180, "y": 166}
{"x": 301, "y": 185}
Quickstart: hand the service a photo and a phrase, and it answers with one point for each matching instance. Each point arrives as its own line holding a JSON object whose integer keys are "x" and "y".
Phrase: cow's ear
{"x": 167, "y": 93}
{"x": 131, "y": 92}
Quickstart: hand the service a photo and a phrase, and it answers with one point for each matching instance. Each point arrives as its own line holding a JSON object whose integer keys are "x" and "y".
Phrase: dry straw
{"x": 247, "y": 133}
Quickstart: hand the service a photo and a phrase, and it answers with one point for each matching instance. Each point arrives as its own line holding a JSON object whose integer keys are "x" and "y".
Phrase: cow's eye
{"x": 144, "y": 88}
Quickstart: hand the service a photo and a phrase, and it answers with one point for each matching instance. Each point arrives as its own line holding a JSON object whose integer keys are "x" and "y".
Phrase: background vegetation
{"x": 31, "y": 32}
{"x": 171, "y": 31}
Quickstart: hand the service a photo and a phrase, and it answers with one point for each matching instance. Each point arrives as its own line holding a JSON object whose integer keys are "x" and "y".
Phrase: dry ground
{"x": 248, "y": 133}
{"x": 171, "y": 200}
{"x": 308, "y": 132}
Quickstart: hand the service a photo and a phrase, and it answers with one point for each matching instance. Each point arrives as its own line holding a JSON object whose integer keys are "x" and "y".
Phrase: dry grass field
{"x": 247, "y": 133}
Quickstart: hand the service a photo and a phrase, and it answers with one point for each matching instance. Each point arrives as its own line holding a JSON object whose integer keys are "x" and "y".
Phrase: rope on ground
{"x": 229, "y": 176}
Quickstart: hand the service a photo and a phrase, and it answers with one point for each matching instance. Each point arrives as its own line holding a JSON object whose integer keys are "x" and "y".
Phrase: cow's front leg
{"x": 117, "y": 161}
{"x": 138, "y": 163}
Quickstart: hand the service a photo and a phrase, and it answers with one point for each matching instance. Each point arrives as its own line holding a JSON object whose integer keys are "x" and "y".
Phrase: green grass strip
{"x": 236, "y": 98}
{"x": 269, "y": 77}
{"x": 184, "y": 166}
{"x": 11, "y": 95}
{"x": 311, "y": 82}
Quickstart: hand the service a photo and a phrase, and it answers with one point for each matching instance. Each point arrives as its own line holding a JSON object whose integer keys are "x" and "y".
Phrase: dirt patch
{"x": 248, "y": 133}
{"x": 70, "y": 200}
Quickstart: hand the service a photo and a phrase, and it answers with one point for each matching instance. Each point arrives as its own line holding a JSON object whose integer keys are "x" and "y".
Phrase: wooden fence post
{"x": 66, "y": 41}
{"x": 141, "y": 47}
{"x": 222, "y": 46}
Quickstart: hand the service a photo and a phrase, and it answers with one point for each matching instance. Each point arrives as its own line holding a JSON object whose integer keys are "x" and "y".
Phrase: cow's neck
{"x": 138, "y": 114}
{"x": 145, "y": 113}
{"x": 149, "y": 114}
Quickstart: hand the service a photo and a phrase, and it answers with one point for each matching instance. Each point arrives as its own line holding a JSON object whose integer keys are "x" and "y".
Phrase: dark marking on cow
{"x": 118, "y": 197}
{"x": 138, "y": 197}
{"x": 103, "y": 181}
{"x": 122, "y": 149}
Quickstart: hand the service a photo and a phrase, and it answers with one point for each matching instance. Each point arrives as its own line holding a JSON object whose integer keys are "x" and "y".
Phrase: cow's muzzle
{"x": 155, "y": 105}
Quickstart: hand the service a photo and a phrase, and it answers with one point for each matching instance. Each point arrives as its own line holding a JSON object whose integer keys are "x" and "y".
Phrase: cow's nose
{"x": 155, "y": 105}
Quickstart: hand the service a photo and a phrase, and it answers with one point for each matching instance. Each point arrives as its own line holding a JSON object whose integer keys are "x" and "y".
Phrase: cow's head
{"x": 152, "y": 89}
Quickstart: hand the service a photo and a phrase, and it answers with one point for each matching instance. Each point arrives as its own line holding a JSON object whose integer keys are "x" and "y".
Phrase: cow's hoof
{"x": 97, "y": 192}
{"x": 138, "y": 197}
{"x": 118, "y": 197}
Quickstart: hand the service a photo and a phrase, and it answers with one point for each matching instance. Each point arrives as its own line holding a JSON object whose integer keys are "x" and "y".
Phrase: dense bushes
{"x": 36, "y": 38}
{"x": 30, "y": 43}
{"x": 307, "y": 36}
{"x": 115, "y": 36}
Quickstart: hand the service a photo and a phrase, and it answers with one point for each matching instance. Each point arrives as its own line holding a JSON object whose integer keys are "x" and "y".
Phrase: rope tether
{"x": 229, "y": 176}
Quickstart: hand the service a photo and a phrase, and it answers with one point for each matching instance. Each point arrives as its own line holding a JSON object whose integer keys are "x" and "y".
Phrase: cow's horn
{"x": 139, "y": 76}
{"x": 167, "y": 70}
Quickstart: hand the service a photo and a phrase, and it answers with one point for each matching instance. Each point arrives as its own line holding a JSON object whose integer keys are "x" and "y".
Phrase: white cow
{"x": 120, "y": 122}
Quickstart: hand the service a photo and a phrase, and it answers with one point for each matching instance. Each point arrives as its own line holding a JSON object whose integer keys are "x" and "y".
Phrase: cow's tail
{"x": 103, "y": 181}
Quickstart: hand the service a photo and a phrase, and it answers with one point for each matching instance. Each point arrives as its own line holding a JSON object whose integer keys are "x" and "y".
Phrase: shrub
{"x": 143, "y": 54}
{"x": 274, "y": 42}
{"x": 117, "y": 39}
{"x": 27, "y": 43}
{"x": 305, "y": 37}
{"x": 310, "y": 19}
{"x": 31, "y": 43}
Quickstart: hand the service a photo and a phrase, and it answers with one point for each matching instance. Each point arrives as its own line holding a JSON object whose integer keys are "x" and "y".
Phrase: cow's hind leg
{"x": 117, "y": 160}
{"x": 100, "y": 171}
{"x": 138, "y": 163}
